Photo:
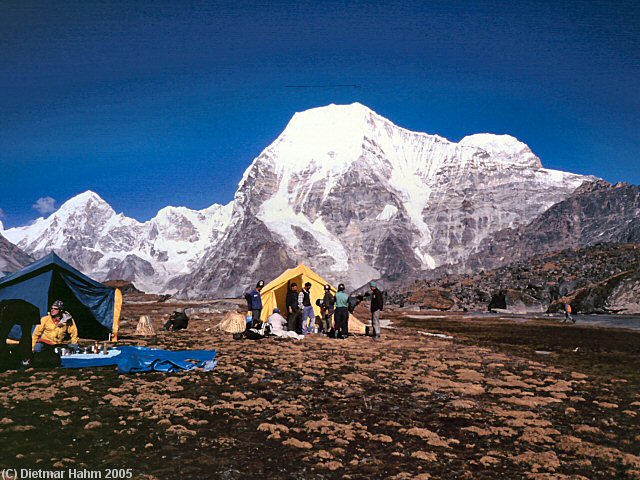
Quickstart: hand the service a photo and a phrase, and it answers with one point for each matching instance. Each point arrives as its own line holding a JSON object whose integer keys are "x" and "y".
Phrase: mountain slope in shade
{"x": 598, "y": 212}
{"x": 12, "y": 258}
{"x": 357, "y": 197}
{"x": 603, "y": 278}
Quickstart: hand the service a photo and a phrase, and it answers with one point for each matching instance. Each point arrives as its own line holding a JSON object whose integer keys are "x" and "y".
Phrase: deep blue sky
{"x": 166, "y": 103}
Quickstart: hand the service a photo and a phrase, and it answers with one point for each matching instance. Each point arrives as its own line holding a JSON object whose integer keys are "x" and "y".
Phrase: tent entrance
{"x": 281, "y": 293}
{"x": 85, "y": 320}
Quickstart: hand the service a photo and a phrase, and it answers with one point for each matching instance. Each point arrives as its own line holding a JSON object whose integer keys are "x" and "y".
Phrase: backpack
{"x": 259, "y": 331}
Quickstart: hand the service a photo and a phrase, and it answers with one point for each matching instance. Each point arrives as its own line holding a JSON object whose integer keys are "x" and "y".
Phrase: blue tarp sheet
{"x": 145, "y": 359}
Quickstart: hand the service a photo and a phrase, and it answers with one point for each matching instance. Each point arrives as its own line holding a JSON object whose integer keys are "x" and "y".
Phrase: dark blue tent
{"x": 94, "y": 306}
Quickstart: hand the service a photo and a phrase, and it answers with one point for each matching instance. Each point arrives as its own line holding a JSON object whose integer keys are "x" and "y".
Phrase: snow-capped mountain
{"x": 341, "y": 189}
{"x": 357, "y": 197}
{"x": 89, "y": 234}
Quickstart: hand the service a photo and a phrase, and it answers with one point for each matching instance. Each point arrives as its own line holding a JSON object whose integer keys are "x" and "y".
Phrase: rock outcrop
{"x": 601, "y": 279}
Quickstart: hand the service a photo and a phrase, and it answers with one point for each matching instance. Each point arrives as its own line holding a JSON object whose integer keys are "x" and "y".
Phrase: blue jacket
{"x": 255, "y": 300}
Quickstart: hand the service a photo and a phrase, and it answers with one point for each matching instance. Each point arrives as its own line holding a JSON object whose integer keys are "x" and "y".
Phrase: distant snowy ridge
{"x": 342, "y": 189}
{"x": 87, "y": 232}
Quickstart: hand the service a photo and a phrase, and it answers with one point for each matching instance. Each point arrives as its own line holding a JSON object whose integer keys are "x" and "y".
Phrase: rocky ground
{"x": 599, "y": 279}
{"x": 483, "y": 404}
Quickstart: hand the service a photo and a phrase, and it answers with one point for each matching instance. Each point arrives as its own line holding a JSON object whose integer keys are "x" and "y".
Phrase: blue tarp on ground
{"x": 145, "y": 359}
{"x": 94, "y": 306}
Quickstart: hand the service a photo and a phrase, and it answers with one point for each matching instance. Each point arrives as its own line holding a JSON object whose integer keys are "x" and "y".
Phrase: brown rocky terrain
{"x": 600, "y": 279}
{"x": 482, "y": 404}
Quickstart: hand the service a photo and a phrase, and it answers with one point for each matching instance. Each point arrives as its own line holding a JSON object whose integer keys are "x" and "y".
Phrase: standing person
{"x": 293, "y": 311}
{"x": 567, "y": 313}
{"x": 377, "y": 303}
{"x": 328, "y": 307}
{"x": 304, "y": 304}
{"x": 56, "y": 328}
{"x": 342, "y": 312}
{"x": 254, "y": 303}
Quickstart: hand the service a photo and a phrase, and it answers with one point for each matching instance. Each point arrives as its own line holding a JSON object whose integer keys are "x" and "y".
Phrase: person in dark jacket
{"x": 342, "y": 312}
{"x": 328, "y": 309}
{"x": 377, "y": 304}
{"x": 304, "y": 303}
{"x": 178, "y": 320}
{"x": 294, "y": 315}
{"x": 22, "y": 314}
{"x": 254, "y": 303}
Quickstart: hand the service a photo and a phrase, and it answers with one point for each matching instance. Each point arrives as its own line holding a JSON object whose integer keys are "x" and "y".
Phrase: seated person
{"x": 56, "y": 328}
{"x": 278, "y": 326}
{"x": 277, "y": 322}
{"x": 178, "y": 320}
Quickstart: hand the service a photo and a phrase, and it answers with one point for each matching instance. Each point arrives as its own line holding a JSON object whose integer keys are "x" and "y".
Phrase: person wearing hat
{"x": 56, "y": 328}
{"x": 278, "y": 326}
{"x": 277, "y": 322}
{"x": 342, "y": 312}
{"x": 328, "y": 307}
{"x": 377, "y": 302}
{"x": 304, "y": 303}
{"x": 178, "y": 320}
{"x": 254, "y": 303}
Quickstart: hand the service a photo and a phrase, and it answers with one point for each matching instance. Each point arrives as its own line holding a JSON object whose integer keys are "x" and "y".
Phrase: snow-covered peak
{"x": 166, "y": 214}
{"x": 208, "y": 217}
{"x": 328, "y": 136}
{"x": 83, "y": 215}
{"x": 503, "y": 148}
{"x": 320, "y": 120}
{"x": 84, "y": 201}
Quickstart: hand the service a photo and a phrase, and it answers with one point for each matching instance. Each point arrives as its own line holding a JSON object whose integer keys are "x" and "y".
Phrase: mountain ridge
{"x": 384, "y": 201}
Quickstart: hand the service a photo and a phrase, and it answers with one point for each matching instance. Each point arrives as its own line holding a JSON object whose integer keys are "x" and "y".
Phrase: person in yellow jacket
{"x": 56, "y": 328}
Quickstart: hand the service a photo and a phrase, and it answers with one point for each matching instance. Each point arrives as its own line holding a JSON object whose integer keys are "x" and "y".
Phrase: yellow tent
{"x": 274, "y": 294}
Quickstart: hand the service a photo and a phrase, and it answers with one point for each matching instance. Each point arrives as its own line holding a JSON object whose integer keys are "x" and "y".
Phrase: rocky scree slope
{"x": 604, "y": 278}
{"x": 597, "y": 212}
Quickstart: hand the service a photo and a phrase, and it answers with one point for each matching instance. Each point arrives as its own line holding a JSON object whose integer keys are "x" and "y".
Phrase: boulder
{"x": 432, "y": 299}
